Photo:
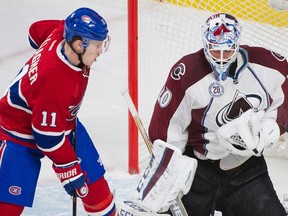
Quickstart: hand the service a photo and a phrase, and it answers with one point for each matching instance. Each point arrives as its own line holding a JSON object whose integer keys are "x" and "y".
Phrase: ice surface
{"x": 104, "y": 111}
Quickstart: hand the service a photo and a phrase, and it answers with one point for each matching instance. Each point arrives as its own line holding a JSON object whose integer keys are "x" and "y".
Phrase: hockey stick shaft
{"x": 74, "y": 197}
{"x": 137, "y": 119}
{"x": 125, "y": 93}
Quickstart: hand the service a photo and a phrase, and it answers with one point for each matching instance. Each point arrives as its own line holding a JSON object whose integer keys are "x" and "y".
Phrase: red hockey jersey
{"x": 42, "y": 102}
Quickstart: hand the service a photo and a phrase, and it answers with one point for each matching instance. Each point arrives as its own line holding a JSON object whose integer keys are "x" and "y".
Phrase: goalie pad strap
{"x": 160, "y": 170}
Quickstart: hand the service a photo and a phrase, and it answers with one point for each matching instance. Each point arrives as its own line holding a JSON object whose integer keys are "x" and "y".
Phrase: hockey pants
{"x": 243, "y": 191}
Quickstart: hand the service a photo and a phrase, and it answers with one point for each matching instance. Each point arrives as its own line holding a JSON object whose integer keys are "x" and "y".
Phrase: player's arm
{"x": 40, "y": 30}
{"x": 280, "y": 94}
{"x": 51, "y": 132}
{"x": 272, "y": 60}
{"x": 253, "y": 131}
{"x": 57, "y": 146}
{"x": 172, "y": 112}
{"x": 282, "y": 117}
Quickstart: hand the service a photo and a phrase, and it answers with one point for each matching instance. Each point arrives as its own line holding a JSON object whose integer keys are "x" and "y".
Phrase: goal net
{"x": 172, "y": 28}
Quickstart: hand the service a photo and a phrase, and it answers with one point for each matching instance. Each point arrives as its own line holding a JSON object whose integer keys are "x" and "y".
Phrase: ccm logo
{"x": 15, "y": 190}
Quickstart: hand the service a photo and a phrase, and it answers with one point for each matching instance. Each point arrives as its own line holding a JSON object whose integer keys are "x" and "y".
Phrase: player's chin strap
{"x": 81, "y": 64}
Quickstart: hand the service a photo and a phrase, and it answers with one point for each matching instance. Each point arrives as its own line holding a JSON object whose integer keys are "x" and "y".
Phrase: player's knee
{"x": 8, "y": 209}
{"x": 100, "y": 200}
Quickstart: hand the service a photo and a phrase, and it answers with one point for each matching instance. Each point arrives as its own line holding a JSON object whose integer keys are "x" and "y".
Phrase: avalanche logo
{"x": 278, "y": 56}
{"x": 215, "y": 89}
{"x": 178, "y": 72}
{"x": 240, "y": 104}
{"x": 15, "y": 190}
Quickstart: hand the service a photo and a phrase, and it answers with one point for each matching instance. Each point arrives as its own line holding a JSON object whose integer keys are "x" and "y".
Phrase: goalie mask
{"x": 221, "y": 39}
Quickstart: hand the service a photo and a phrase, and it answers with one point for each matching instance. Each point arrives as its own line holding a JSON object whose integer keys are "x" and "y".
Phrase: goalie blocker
{"x": 168, "y": 175}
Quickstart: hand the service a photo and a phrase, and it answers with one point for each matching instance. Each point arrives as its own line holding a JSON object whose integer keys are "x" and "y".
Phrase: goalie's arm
{"x": 282, "y": 107}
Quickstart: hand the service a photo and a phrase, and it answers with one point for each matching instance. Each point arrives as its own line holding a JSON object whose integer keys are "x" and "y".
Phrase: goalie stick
{"x": 177, "y": 209}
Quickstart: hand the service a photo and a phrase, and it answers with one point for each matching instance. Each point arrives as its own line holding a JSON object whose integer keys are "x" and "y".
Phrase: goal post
{"x": 133, "y": 162}
{"x": 170, "y": 29}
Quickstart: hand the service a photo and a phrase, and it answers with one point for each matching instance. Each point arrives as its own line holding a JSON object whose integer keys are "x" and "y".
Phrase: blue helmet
{"x": 86, "y": 24}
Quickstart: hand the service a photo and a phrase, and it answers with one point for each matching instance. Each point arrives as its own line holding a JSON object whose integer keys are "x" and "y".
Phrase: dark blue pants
{"x": 20, "y": 167}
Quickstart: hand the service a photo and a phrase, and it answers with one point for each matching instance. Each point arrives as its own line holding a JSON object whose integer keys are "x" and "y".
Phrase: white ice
{"x": 104, "y": 111}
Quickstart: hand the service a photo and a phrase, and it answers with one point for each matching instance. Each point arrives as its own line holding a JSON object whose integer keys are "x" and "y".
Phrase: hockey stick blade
{"x": 177, "y": 209}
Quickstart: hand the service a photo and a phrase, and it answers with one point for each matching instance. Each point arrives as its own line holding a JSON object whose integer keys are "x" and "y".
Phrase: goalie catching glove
{"x": 249, "y": 134}
{"x": 72, "y": 178}
{"x": 168, "y": 175}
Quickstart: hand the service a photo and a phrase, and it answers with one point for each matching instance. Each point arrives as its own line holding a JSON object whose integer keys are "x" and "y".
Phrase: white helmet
{"x": 221, "y": 32}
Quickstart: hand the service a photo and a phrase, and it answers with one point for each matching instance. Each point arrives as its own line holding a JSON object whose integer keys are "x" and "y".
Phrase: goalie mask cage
{"x": 161, "y": 32}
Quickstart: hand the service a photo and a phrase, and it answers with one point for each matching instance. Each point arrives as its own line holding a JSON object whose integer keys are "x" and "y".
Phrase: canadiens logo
{"x": 216, "y": 89}
{"x": 73, "y": 111}
{"x": 86, "y": 18}
{"x": 15, "y": 190}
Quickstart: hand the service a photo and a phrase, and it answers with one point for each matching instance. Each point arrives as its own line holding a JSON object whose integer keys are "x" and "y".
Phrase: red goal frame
{"x": 133, "y": 161}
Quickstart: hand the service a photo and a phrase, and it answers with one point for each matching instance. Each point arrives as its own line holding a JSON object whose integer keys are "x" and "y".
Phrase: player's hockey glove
{"x": 71, "y": 177}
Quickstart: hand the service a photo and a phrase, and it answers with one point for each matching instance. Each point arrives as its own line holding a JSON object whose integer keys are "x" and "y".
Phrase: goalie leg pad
{"x": 167, "y": 175}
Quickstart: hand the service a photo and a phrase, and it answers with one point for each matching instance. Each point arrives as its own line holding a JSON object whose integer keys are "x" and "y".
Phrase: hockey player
{"x": 222, "y": 106}
{"x": 38, "y": 115}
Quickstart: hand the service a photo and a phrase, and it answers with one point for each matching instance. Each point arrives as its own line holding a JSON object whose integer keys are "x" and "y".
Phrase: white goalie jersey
{"x": 192, "y": 105}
